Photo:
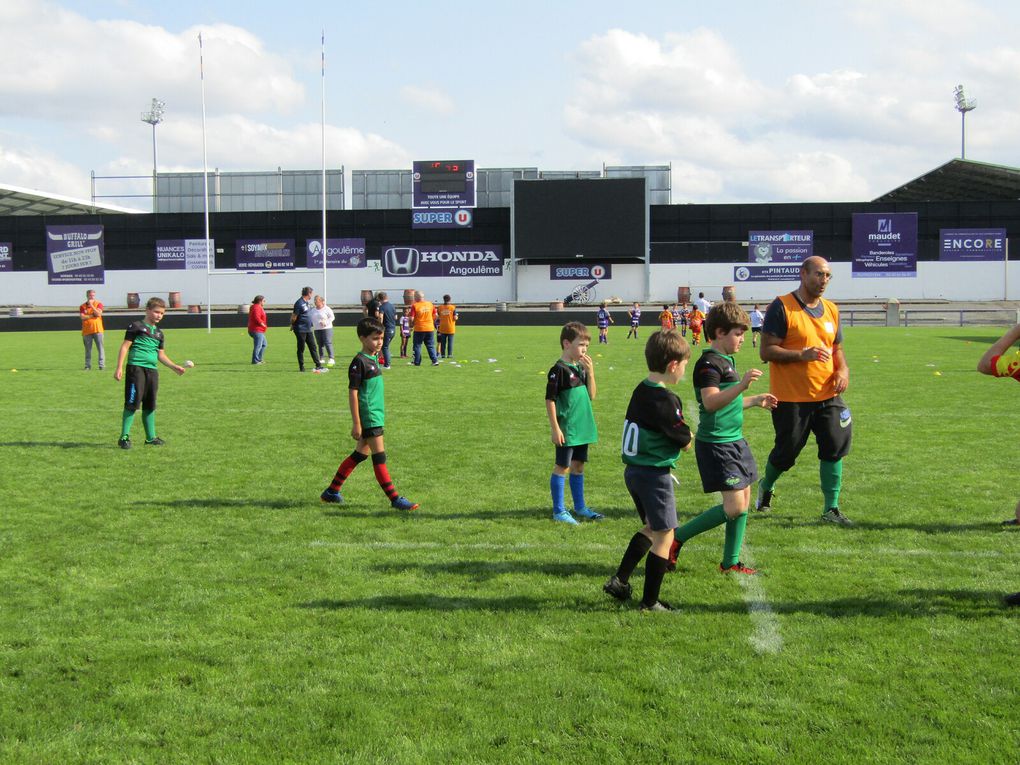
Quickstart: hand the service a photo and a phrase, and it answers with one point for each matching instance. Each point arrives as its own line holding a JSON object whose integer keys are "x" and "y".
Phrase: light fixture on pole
{"x": 963, "y": 105}
{"x": 153, "y": 117}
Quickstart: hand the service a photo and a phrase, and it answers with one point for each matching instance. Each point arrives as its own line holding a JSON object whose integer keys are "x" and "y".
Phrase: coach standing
{"x": 91, "y": 312}
{"x": 301, "y": 324}
{"x": 803, "y": 343}
{"x": 423, "y": 314}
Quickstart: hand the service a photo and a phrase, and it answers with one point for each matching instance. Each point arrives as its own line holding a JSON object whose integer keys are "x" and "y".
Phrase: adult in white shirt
{"x": 322, "y": 323}
{"x": 757, "y": 319}
{"x": 702, "y": 303}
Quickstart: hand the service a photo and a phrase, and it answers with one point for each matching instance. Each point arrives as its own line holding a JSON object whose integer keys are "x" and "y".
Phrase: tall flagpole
{"x": 205, "y": 185}
{"x": 325, "y": 249}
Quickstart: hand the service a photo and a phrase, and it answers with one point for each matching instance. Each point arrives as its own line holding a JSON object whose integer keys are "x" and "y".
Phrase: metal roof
{"x": 15, "y": 200}
{"x": 960, "y": 180}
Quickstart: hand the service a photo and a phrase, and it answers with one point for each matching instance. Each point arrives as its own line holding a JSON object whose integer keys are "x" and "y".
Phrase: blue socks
{"x": 577, "y": 491}
{"x": 556, "y": 485}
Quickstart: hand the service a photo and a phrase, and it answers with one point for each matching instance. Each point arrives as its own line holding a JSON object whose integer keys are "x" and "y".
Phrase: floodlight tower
{"x": 153, "y": 117}
{"x": 963, "y": 105}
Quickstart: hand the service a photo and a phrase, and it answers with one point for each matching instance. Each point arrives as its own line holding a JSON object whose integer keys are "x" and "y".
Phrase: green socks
{"x": 831, "y": 475}
{"x": 772, "y": 474}
{"x": 149, "y": 421}
{"x": 734, "y": 540}
{"x": 125, "y": 423}
{"x": 709, "y": 519}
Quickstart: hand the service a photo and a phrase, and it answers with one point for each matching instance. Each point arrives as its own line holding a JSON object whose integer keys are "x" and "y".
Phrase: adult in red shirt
{"x": 91, "y": 312}
{"x": 257, "y": 326}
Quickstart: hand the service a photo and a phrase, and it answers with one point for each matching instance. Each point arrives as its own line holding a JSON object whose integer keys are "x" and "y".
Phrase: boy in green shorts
{"x": 654, "y": 434}
{"x": 724, "y": 459}
{"x": 142, "y": 349}
{"x": 569, "y": 391}
{"x": 367, "y": 404}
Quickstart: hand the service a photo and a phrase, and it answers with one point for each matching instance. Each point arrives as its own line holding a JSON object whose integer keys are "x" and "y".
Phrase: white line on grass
{"x": 766, "y": 637}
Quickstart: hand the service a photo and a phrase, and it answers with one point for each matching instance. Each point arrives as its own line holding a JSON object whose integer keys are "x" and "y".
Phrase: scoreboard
{"x": 443, "y": 184}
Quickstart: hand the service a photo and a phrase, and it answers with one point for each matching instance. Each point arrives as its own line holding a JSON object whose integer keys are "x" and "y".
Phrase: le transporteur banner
{"x": 75, "y": 254}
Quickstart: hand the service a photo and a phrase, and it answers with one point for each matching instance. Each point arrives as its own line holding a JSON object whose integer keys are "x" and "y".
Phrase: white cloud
{"x": 42, "y": 171}
{"x": 429, "y": 98}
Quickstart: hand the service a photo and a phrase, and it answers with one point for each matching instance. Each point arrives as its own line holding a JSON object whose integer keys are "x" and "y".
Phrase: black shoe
{"x": 124, "y": 443}
{"x": 1013, "y": 600}
{"x": 157, "y": 441}
{"x": 658, "y": 605}
{"x": 616, "y": 588}
{"x": 832, "y": 515}
{"x": 764, "y": 504}
{"x": 1011, "y": 522}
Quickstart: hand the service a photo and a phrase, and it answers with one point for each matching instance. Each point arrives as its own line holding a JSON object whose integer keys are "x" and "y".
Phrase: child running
{"x": 666, "y": 319}
{"x": 724, "y": 459}
{"x": 367, "y": 404}
{"x": 696, "y": 319}
{"x": 654, "y": 434}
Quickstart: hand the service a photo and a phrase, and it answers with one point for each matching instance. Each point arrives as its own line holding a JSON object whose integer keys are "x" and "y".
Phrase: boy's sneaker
{"x": 331, "y": 363}
{"x": 157, "y": 441}
{"x": 764, "y": 503}
{"x": 332, "y": 496}
{"x": 589, "y": 514}
{"x": 658, "y": 605}
{"x": 1013, "y": 600}
{"x": 1011, "y": 522}
{"x": 674, "y": 554}
{"x": 124, "y": 442}
{"x": 616, "y": 588}
{"x": 435, "y": 363}
{"x": 403, "y": 503}
{"x": 832, "y": 515}
{"x": 738, "y": 568}
{"x": 564, "y": 516}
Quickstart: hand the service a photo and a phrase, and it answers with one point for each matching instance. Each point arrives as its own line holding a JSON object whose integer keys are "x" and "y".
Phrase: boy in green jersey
{"x": 654, "y": 434}
{"x": 366, "y": 401}
{"x": 569, "y": 391}
{"x": 724, "y": 459}
{"x": 142, "y": 349}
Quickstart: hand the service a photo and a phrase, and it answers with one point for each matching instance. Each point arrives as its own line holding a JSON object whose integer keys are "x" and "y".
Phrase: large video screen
{"x": 581, "y": 219}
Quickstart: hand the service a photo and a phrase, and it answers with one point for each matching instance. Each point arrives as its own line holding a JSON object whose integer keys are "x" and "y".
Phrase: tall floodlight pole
{"x": 153, "y": 117}
{"x": 963, "y": 105}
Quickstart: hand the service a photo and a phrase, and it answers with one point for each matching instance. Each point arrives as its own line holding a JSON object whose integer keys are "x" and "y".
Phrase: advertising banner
{"x": 776, "y": 272}
{"x": 6, "y": 256}
{"x": 340, "y": 253}
{"x": 75, "y": 254}
{"x": 440, "y": 218}
{"x": 972, "y": 244}
{"x": 265, "y": 254}
{"x": 780, "y": 246}
{"x": 581, "y": 271}
{"x": 884, "y": 245}
{"x": 169, "y": 254}
{"x": 443, "y": 260}
{"x": 197, "y": 255}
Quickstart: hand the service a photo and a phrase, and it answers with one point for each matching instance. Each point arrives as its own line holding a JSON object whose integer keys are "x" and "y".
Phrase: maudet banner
{"x": 884, "y": 245}
{"x": 75, "y": 254}
{"x": 6, "y": 256}
{"x": 340, "y": 253}
{"x": 776, "y": 272}
{"x": 780, "y": 246}
{"x": 443, "y": 260}
{"x": 439, "y": 218}
{"x": 265, "y": 254}
{"x": 180, "y": 254}
{"x": 579, "y": 271}
{"x": 972, "y": 244}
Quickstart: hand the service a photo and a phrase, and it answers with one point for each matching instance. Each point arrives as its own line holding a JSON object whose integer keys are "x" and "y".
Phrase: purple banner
{"x": 6, "y": 256}
{"x": 340, "y": 253}
{"x": 169, "y": 254}
{"x": 75, "y": 254}
{"x": 439, "y": 218}
{"x": 884, "y": 245}
{"x": 775, "y": 272}
{"x": 972, "y": 244}
{"x": 780, "y": 246}
{"x": 265, "y": 254}
{"x": 446, "y": 183}
{"x": 581, "y": 271}
{"x": 443, "y": 260}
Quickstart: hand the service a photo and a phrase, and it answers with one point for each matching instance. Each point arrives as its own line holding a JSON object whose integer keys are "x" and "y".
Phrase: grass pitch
{"x": 197, "y": 603}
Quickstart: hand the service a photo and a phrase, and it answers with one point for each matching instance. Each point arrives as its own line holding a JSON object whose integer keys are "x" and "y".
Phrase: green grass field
{"x": 197, "y": 603}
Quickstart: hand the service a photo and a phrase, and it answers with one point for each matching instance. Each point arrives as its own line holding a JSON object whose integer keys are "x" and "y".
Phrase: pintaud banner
{"x": 780, "y": 246}
{"x": 773, "y": 272}
{"x": 75, "y": 254}
{"x": 972, "y": 244}
{"x": 340, "y": 253}
{"x": 265, "y": 254}
{"x": 6, "y": 256}
{"x": 884, "y": 245}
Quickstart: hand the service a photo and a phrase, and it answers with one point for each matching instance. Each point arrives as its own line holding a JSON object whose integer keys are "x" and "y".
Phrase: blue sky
{"x": 792, "y": 101}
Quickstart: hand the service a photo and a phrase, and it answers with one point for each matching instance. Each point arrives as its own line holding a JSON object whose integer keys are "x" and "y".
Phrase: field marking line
{"x": 766, "y": 637}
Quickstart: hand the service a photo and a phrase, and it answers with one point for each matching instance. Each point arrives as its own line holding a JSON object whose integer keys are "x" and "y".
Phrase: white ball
{"x": 189, "y": 363}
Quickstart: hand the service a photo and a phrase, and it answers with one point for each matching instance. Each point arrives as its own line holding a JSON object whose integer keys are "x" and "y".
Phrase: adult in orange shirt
{"x": 448, "y": 318}
{"x": 91, "y": 312}
{"x": 423, "y": 315}
{"x": 803, "y": 342}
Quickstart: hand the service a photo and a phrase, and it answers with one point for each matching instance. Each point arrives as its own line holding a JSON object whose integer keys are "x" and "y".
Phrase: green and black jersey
{"x": 654, "y": 432}
{"x": 723, "y": 426}
{"x": 146, "y": 343}
{"x": 365, "y": 376}
{"x": 568, "y": 386}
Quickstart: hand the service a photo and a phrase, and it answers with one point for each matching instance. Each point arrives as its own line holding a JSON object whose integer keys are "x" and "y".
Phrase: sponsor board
{"x": 780, "y": 246}
{"x": 265, "y": 254}
{"x": 440, "y": 218}
{"x": 442, "y": 260}
{"x": 581, "y": 271}
{"x": 774, "y": 272}
{"x": 340, "y": 253}
{"x": 6, "y": 256}
{"x": 884, "y": 245}
{"x": 74, "y": 254}
{"x": 972, "y": 244}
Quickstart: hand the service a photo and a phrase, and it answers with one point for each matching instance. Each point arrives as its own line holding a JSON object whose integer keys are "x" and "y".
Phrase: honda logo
{"x": 401, "y": 261}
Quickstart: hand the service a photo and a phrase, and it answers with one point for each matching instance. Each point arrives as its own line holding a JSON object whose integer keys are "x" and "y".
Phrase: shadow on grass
{"x": 481, "y": 570}
{"x": 272, "y": 504}
{"x": 984, "y": 339}
{"x": 432, "y": 603}
{"x": 925, "y": 527}
{"x": 57, "y": 444}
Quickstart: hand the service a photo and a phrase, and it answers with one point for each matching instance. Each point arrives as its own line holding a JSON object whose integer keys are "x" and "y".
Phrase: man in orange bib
{"x": 803, "y": 343}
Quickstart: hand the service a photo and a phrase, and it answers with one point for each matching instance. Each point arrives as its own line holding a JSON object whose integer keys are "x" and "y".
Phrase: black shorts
{"x": 829, "y": 420}
{"x": 755, "y": 330}
{"x": 567, "y": 454}
{"x": 725, "y": 467}
{"x": 651, "y": 488}
{"x": 371, "y": 432}
{"x": 140, "y": 387}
